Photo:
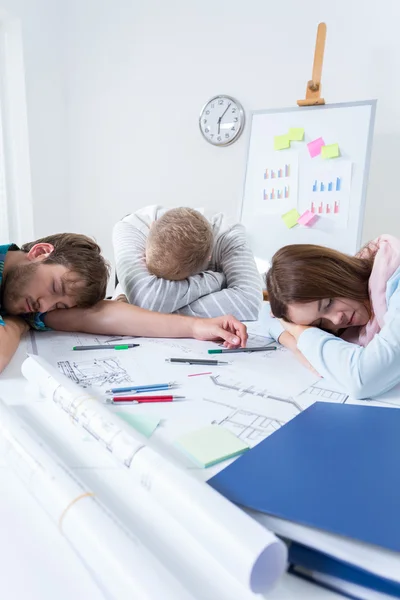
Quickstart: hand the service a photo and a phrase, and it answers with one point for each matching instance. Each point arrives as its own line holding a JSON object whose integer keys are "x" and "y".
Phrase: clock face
{"x": 221, "y": 120}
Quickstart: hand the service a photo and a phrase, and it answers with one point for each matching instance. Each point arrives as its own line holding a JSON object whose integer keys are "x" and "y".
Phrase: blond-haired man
{"x": 182, "y": 261}
{"x": 67, "y": 271}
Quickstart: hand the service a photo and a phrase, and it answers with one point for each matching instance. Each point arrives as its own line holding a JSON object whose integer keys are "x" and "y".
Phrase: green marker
{"x": 233, "y": 350}
{"x": 106, "y": 347}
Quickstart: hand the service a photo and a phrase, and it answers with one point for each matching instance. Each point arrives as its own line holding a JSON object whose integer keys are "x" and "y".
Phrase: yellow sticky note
{"x": 281, "y": 142}
{"x": 210, "y": 445}
{"x": 290, "y": 218}
{"x": 296, "y": 134}
{"x": 331, "y": 151}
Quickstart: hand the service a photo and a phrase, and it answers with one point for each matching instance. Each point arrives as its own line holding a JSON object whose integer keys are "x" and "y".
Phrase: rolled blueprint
{"x": 122, "y": 566}
{"x": 248, "y": 551}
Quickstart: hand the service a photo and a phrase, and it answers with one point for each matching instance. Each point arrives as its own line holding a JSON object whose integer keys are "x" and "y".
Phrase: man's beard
{"x": 14, "y": 285}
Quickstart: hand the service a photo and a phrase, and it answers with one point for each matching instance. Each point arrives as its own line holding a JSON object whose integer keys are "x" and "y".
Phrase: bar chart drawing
{"x": 278, "y": 173}
{"x": 321, "y": 186}
{"x": 277, "y": 193}
{"x": 325, "y": 191}
{"x": 276, "y": 187}
{"x": 320, "y": 208}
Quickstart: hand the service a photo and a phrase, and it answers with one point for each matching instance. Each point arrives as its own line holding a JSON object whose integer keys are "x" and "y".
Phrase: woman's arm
{"x": 362, "y": 372}
{"x": 289, "y": 341}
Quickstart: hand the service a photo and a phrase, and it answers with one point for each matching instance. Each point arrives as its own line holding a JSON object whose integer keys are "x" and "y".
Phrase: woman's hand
{"x": 226, "y": 328}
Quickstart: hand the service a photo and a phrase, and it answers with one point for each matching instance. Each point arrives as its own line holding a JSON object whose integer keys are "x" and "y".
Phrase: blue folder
{"x": 314, "y": 561}
{"x": 335, "y": 467}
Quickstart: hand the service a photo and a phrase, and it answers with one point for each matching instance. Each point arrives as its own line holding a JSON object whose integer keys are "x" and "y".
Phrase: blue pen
{"x": 142, "y": 388}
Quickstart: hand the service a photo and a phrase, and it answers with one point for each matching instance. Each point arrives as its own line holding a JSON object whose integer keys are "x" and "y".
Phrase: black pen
{"x": 195, "y": 361}
{"x": 232, "y": 350}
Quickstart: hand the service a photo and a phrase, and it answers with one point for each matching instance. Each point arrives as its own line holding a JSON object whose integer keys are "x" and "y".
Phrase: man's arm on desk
{"x": 10, "y": 336}
{"x": 119, "y": 318}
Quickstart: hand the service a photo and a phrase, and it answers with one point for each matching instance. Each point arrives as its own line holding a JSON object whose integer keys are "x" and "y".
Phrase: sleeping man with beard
{"x": 66, "y": 270}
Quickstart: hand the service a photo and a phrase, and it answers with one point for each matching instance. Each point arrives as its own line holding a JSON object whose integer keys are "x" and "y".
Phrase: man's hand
{"x": 226, "y": 328}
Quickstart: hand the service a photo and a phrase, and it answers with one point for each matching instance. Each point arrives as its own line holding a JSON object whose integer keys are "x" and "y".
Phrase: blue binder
{"x": 335, "y": 467}
{"x": 314, "y": 561}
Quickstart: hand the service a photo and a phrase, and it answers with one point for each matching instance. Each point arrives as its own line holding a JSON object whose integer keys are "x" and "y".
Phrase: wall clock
{"x": 222, "y": 120}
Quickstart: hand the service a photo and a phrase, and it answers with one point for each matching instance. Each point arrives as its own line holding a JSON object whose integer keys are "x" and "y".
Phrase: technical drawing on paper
{"x": 95, "y": 372}
{"x": 256, "y": 340}
{"x": 247, "y": 425}
{"x": 325, "y": 394}
{"x": 168, "y": 343}
{"x": 58, "y": 343}
{"x": 231, "y": 384}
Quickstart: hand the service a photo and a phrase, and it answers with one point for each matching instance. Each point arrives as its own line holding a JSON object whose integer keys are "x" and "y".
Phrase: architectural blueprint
{"x": 97, "y": 372}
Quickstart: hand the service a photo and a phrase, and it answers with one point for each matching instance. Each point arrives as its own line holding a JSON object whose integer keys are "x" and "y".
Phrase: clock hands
{"x": 221, "y": 117}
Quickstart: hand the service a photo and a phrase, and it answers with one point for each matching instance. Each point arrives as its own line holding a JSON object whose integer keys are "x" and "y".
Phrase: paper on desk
{"x": 83, "y": 408}
{"x": 122, "y": 565}
{"x": 210, "y": 445}
{"x": 146, "y": 425}
{"x": 374, "y": 559}
{"x": 237, "y": 543}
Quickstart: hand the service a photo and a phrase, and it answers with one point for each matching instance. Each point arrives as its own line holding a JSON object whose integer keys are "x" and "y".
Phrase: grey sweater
{"x": 231, "y": 284}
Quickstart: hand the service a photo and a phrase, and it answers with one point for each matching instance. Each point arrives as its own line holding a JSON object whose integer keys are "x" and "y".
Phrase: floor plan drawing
{"x": 231, "y": 384}
{"x": 249, "y": 426}
{"x": 328, "y": 395}
{"x": 97, "y": 372}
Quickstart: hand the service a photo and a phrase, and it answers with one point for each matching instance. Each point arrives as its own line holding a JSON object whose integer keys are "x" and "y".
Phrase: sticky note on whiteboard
{"x": 290, "y": 218}
{"x": 307, "y": 218}
{"x": 281, "y": 142}
{"x": 296, "y": 134}
{"x": 331, "y": 151}
{"x": 315, "y": 146}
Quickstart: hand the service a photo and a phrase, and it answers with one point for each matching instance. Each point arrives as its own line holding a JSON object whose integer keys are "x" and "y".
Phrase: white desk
{"x": 36, "y": 561}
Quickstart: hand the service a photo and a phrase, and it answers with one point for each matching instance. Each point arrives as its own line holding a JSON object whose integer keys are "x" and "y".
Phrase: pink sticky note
{"x": 307, "y": 218}
{"x": 314, "y": 147}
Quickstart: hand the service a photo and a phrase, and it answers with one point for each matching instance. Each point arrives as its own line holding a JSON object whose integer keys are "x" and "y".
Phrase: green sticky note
{"x": 296, "y": 134}
{"x": 290, "y": 218}
{"x": 210, "y": 445}
{"x": 331, "y": 151}
{"x": 144, "y": 424}
{"x": 281, "y": 142}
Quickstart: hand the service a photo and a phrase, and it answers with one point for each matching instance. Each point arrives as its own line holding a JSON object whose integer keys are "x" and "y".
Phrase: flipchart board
{"x": 310, "y": 164}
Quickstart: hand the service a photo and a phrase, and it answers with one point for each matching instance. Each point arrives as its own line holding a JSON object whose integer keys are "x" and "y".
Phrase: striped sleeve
{"x": 148, "y": 291}
{"x": 242, "y": 296}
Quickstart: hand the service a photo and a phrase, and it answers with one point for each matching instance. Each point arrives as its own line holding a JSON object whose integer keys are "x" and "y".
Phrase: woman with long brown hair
{"x": 342, "y": 313}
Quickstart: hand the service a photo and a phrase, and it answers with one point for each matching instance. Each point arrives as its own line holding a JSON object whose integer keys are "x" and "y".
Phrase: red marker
{"x": 142, "y": 399}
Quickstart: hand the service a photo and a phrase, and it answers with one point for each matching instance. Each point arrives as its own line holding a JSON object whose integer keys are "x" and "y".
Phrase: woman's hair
{"x": 304, "y": 273}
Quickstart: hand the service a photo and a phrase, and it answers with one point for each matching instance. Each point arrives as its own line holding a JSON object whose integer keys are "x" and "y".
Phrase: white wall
{"x": 139, "y": 72}
{"x": 43, "y": 33}
{"x": 114, "y": 90}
